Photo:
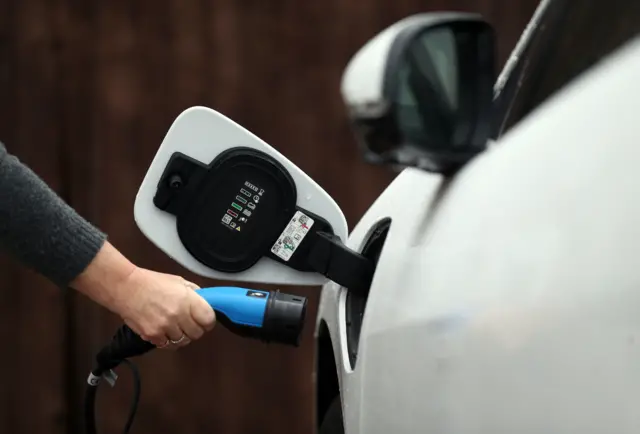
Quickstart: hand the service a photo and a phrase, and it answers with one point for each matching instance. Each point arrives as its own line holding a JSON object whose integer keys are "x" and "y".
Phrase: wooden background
{"x": 88, "y": 89}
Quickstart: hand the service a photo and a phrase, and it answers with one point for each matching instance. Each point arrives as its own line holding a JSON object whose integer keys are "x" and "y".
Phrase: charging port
{"x": 356, "y": 301}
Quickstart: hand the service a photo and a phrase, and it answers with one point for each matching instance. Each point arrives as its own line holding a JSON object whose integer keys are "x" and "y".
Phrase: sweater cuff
{"x": 73, "y": 249}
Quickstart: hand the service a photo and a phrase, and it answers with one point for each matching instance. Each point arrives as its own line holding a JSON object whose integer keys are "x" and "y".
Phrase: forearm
{"x": 39, "y": 229}
{"x": 104, "y": 280}
{"x": 44, "y": 233}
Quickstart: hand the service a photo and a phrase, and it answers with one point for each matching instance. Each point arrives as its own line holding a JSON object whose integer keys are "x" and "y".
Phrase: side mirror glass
{"x": 420, "y": 92}
{"x": 226, "y": 205}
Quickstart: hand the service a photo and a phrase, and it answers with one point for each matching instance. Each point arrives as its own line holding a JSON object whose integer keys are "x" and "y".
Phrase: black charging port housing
{"x": 230, "y": 211}
{"x": 356, "y": 301}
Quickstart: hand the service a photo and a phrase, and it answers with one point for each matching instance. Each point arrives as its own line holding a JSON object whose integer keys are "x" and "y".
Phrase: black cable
{"x": 89, "y": 409}
{"x": 90, "y": 401}
{"x": 124, "y": 344}
{"x": 136, "y": 395}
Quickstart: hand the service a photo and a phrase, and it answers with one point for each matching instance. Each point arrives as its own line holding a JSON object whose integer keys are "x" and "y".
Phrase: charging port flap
{"x": 226, "y": 205}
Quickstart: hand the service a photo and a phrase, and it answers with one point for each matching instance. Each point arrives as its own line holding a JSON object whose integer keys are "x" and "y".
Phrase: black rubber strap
{"x": 331, "y": 258}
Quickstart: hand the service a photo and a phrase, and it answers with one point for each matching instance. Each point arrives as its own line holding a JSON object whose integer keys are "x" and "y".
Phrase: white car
{"x": 494, "y": 286}
{"x": 506, "y": 297}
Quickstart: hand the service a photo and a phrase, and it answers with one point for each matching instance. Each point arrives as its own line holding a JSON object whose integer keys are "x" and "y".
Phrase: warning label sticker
{"x": 292, "y": 236}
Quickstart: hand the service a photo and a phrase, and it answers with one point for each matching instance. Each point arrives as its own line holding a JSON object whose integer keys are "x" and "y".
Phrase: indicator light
{"x": 236, "y": 206}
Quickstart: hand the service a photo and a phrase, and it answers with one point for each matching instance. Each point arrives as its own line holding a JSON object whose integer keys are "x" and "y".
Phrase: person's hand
{"x": 163, "y": 309}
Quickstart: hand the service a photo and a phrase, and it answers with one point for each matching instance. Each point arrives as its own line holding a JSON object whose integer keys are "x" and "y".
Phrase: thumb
{"x": 203, "y": 313}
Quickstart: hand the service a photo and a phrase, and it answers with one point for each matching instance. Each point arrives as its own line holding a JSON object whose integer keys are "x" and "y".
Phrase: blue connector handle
{"x": 269, "y": 316}
{"x": 242, "y": 306}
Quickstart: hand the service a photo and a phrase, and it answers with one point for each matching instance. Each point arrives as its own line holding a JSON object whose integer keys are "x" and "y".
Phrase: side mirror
{"x": 224, "y": 204}
{"x": 420, "y": 92}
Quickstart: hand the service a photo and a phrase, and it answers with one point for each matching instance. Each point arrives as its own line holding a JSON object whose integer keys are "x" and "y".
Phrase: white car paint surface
{"x": 509, "y": 300}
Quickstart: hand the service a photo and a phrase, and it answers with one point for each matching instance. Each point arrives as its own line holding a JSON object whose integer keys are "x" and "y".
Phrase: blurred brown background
{"x": 87, "y": 91}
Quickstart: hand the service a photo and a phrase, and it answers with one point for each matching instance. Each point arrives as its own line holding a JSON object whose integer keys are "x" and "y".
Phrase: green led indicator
{"x": 236, "y": 206}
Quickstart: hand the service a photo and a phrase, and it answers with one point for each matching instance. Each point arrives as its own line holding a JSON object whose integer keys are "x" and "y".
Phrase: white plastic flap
{"x": 202, "y": 134}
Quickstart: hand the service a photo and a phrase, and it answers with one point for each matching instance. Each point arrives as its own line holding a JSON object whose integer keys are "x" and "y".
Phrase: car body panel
{"x": 412, "y": 191}
{"x": 506, "y": 300}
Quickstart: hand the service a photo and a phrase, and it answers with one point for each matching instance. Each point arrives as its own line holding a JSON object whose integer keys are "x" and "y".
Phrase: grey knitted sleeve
{"x": 39, "y": 229}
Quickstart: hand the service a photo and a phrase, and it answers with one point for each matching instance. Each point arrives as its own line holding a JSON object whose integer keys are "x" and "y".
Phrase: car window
{"x": 571, "y": 37}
